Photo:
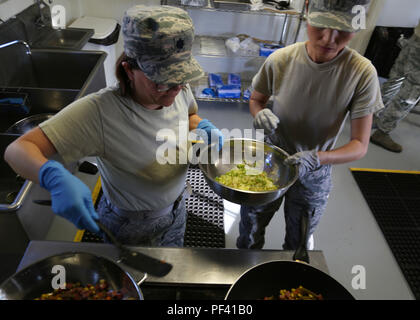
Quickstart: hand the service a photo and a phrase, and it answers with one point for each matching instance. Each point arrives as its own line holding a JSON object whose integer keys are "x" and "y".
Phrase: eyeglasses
{"x": 164, "y": 87}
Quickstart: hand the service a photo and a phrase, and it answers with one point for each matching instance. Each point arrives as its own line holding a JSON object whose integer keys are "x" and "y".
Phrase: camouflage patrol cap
{"x": 334, "y": 14}
{"x": 160, "y": 39}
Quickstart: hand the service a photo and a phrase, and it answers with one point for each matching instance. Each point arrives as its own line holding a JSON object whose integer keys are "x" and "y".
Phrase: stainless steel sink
{"x": 49, "y": 68}
{"x": 74, "y": 38}
{"x": 52, "y": 79}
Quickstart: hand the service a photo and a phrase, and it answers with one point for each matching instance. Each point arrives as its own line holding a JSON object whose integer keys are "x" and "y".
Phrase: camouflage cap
{"x": 160, "y": 39}
{"x": 335, "y": 14}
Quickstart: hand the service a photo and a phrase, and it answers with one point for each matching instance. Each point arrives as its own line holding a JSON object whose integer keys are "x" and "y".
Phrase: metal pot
{"x": 36, "y": 279}
{"x": 267, "y": 279}
{"x": 27, "y": 124}
{"x": 282, "y": 174}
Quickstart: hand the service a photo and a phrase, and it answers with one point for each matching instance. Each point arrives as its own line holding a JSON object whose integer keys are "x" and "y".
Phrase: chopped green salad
{"x": 247, "y": 178}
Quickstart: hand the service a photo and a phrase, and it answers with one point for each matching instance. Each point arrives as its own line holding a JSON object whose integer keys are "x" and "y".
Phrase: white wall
{"x": 73, "y": 9}
{"x": 297, "y": 4}
{"x": 12, "y": 7}
{"x": 111, "y": 8}
{"x": 400, "y": 13}
{"x": 361, "y": 41}
{"x": 98, "y": 8}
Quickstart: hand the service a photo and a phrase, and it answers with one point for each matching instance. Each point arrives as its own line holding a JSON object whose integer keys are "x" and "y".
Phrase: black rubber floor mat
{"x": 394, "y": 199}
{"x": 205, "y": 227}
{"x": 91, "y": 237}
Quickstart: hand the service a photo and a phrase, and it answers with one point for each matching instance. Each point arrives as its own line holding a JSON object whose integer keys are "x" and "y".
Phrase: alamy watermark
{"x": 358, "y": 282}
{"x": 59, "y": 280}
{"x": 359, "y": 20}
{"x": 181, "y": 146}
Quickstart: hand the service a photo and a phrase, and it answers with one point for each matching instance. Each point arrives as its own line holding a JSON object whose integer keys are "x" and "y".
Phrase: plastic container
{"x": 247, "y": 94}
{"x": 229, "y": 92}
{"x": 234, "y": 79}
{"x": 215, "y": 80}
{"x": 208, "y": 93}
{"x": 267, "y": 49}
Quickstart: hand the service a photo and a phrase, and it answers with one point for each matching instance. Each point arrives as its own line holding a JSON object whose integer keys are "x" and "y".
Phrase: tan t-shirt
{"x": 123, "y": 136}
{"x": 417, "y": 30}
{"x": 312, "y": 100}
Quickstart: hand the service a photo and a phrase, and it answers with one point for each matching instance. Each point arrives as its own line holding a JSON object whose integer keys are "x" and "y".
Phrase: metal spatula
{"x": 131, "y": 258}
{"x": 137, "y": 260}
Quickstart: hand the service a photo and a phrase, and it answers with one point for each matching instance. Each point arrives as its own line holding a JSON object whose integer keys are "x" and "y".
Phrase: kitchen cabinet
{"x": 216, "y": 21}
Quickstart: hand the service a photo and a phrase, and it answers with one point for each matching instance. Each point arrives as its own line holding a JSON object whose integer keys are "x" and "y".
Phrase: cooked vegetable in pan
{"x": 247, "y": 178}
{"x": 75, "y": 291}
{"x": 300, "y": 293}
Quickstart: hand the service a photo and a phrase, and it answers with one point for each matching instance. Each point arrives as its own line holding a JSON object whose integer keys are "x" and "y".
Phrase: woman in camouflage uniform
{"x": 315, "y": 85}
{"x": 401, "y": 93}
{"x": 142, "y": 202}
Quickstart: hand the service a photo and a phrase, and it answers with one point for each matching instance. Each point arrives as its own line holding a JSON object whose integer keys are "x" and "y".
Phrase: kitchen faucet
{"x": 28, "y": 49}
{"x": 41, "y": 20}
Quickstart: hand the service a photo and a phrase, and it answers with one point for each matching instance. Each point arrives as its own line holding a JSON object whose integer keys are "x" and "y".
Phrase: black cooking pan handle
{"x": 43, "y": 202}
{"x": 301, "y": 253}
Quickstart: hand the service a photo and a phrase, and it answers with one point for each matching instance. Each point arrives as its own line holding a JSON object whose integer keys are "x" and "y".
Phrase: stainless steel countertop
{"x": 192, "y": 266}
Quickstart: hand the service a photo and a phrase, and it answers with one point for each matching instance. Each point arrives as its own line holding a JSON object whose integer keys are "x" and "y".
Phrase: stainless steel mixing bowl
{"x": 232, "y": 153}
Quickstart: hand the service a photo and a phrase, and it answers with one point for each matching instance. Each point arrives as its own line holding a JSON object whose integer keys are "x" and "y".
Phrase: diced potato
{"x": 240, "y": 179}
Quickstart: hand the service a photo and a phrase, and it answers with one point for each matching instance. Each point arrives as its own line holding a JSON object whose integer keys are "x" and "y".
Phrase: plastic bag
{"x": 249, "y": 47}
{"x": 256, "y": 5}
{"x": 233, "y": 44}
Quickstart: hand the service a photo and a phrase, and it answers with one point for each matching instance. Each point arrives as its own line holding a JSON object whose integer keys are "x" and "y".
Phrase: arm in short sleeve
{"x": 76, "y": 131}
{"x": 367, "y": 98}
{"x": 263, "y": 80}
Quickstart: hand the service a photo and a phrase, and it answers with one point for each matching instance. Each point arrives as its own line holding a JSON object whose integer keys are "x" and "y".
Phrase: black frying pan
{"x": 27, "y": 124}
{"x": 267, "y": 279}
{"x": 36, "y": 279}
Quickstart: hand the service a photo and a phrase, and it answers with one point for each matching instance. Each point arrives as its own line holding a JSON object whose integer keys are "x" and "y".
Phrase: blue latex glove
{"x": 307, "y": 160}
{"x": 71, "y": 198}
{"x": 210, "y": 129}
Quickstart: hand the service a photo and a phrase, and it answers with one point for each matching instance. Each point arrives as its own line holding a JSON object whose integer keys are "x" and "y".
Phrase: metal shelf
{"x": 210, "y": 6}
{"x": 211, "y": 46}
{"x": 214, "y": 47}
{"x": 244, "y": 7}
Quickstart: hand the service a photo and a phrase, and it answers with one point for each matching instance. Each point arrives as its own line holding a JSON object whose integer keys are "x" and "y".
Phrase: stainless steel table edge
{"x": 191, "y": 266}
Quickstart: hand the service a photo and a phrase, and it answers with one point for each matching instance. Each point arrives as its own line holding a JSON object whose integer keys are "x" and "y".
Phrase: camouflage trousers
{"x": 142, "y": 227}
{"x": 309, "y": 194}
{"x": 401, "y": 93}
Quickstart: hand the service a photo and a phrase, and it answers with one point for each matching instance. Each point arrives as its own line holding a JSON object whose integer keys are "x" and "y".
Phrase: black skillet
{"x": 38, "y": 278}
{"x": 267, "y": 279}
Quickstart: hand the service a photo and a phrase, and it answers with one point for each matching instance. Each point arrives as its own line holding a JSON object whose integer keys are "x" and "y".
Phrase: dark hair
{"x": 121, "y": 75}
